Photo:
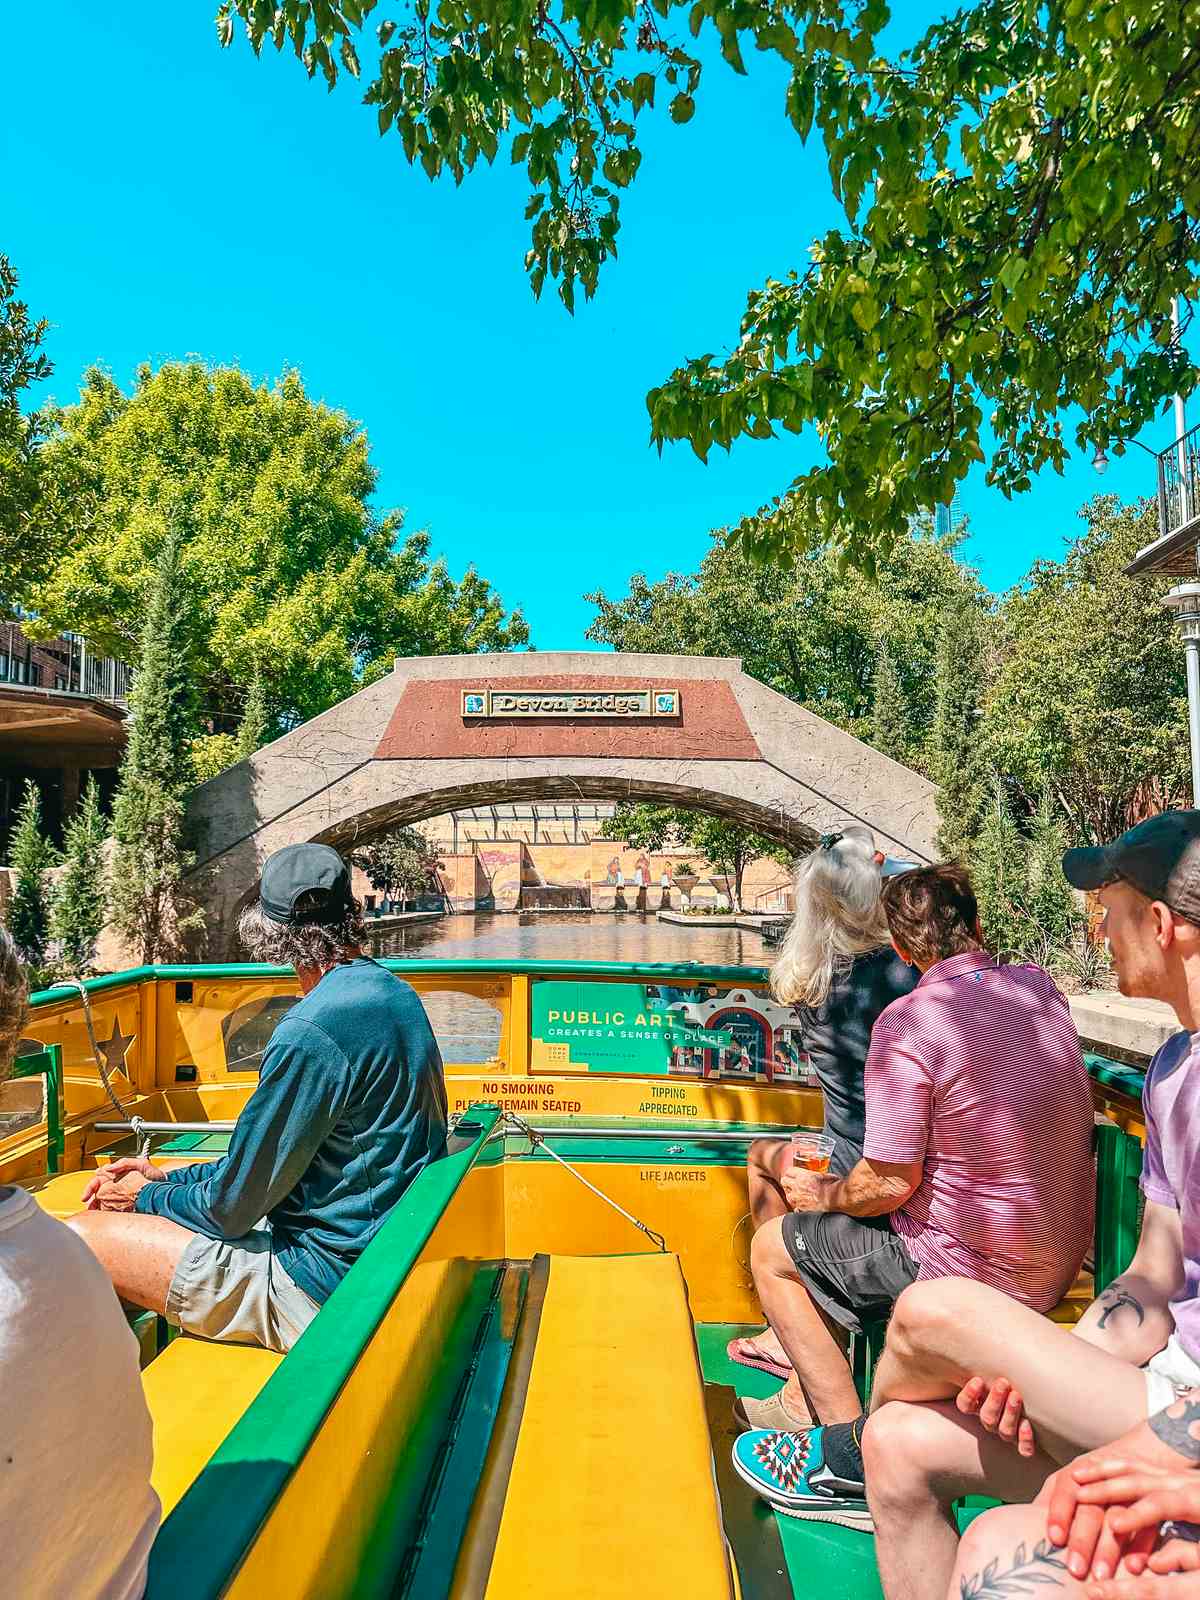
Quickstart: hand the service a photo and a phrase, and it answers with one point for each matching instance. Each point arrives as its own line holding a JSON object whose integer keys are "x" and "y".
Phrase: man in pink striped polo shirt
{"x": 976, "y": 1164}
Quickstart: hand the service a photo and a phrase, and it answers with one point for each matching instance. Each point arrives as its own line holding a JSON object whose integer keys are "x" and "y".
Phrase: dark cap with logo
{"x": 1161, "y": 857}
{"x": 311, "y": 876}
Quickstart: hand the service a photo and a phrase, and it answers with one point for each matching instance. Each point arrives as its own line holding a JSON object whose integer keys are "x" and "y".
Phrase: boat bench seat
{"x": 609, "y": 1488}
{"x": 196, "y": 1390}
{"x": 61, "y": 1196}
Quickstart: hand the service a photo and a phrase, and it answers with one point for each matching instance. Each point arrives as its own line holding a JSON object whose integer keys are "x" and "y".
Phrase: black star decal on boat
{"x": 116, "y": 1047}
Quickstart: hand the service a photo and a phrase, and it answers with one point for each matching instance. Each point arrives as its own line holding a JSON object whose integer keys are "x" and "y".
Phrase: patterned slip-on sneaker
{"x": 789, "y": 1470}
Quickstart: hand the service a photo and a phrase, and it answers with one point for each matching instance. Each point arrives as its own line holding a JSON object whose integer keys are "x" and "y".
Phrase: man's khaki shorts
{"x": 1169, "y": 1374}
{"x": 235, "y": 1290}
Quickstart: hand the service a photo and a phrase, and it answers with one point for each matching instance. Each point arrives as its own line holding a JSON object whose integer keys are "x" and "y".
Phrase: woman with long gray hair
{"x": 838, "y": 969}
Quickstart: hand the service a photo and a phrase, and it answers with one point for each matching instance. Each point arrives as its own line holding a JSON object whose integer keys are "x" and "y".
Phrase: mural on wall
{"x": 660, "y": 1030}
{"x": 561, "y": 865}
{"x": 502, "y": 863}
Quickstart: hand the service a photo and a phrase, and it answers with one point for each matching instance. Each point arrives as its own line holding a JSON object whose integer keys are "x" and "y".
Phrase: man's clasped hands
{"x": 1129, "y": 1524}
{"x": 115, "y": 1187}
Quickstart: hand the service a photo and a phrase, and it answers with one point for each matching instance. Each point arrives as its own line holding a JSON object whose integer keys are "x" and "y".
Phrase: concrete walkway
{"x": 397, "y": 919}
{"x": 749, "y": 921}
{"x": 1117, "y": 1026}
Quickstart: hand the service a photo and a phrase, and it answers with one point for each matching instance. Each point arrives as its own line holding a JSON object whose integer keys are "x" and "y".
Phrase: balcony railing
{"x": 1179, "y": 484}
{"x": 62, "y": 665}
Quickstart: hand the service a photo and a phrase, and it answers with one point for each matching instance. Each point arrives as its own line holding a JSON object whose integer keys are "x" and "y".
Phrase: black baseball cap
{"x": 300, "y": 870}
{"x": 1161, "y": 857}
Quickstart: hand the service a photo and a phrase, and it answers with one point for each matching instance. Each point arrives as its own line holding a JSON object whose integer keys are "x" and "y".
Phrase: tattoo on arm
{"x": 1115, "y": 1299}
{"x": 1179, "y": 1426}
{"x": 1025, "y": 1573}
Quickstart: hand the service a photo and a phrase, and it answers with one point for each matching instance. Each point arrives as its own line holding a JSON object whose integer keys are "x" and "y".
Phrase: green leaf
{"x": 682, "y": 108}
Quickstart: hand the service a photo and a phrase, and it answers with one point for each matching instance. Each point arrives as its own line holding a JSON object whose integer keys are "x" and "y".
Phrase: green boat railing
{"x": 690, "y": 971}
{"x": 48, "y": 1063}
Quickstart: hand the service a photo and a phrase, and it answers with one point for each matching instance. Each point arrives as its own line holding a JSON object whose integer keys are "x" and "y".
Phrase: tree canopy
{"x": 1071, "y": 685}
{"x": 812, "y": 633}
{"x": 291, "y": 573}
{"x": 399, "y": 864}
{"x": 31, "y": 856}
{"x": 1019, "y": 192}
{"x": 727, "y": 846}
{"x": 27, "y": 530}
{"x": 151, "y": 855}
{"x": 1089, "y": 698}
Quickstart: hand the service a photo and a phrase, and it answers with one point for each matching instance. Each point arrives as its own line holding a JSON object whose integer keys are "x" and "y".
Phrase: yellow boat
{"x": 521, "y": 1387}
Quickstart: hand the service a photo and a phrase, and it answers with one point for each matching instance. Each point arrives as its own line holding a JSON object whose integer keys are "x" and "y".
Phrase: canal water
{"x": 571, "y": 936}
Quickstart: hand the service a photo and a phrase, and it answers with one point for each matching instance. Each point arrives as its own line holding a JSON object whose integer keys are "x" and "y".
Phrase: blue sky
{"x": 162, "y": 199}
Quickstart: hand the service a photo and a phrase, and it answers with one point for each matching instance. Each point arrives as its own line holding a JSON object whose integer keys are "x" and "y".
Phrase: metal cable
{"x": 536, "y": 1139}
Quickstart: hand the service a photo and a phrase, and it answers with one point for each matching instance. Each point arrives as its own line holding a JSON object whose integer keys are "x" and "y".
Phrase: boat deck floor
{"x": 821, "y": 1559}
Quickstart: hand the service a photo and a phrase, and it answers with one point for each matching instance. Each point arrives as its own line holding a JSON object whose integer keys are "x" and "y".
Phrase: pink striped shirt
{"x": 978, "y": 1074}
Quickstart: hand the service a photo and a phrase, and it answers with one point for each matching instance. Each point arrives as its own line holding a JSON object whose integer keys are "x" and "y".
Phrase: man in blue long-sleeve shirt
{"x": 350, "y": 1105}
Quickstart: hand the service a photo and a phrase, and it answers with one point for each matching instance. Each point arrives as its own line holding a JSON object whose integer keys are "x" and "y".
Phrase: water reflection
{"x": 570, "y": 936}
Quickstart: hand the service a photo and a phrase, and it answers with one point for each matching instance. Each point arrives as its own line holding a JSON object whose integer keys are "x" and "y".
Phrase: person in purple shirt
{"x": 978, "y": 1394}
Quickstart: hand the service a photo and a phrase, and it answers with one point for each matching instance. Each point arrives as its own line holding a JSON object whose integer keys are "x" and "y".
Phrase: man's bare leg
{"x": 821, "y": 1375}
{"x": 139, "y": 1253}
{"x": 1014, "y": 1537}
{"x": 947, "y": 1330}
{"x": 765, "y": 1160}
{"x": 918, "y": 1459}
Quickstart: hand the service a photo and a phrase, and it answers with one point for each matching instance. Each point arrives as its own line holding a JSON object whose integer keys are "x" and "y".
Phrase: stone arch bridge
{"x": 444, "y": 732}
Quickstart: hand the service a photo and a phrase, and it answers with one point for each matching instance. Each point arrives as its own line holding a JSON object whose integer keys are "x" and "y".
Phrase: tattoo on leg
{"x": 1179, "y": 1427}
{"x": 1115, "y": 1299}
{"x": 1044, "y": 1566}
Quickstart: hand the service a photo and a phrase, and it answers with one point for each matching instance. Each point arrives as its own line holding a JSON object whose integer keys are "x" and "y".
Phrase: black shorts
{"x": 855, "y": 1268}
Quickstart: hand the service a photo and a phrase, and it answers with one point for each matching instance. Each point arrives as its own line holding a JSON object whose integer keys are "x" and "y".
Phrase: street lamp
{"x": 1100, "y": 459}
{"x": 1184, "y": 602}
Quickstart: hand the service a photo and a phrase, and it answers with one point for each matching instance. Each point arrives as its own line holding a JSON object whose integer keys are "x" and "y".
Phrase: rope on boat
{"x": 535, "y": 1138}
{"x": 140, "y": 1132}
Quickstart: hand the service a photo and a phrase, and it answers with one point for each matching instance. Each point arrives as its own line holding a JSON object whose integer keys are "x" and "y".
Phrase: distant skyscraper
{"x": 948, "y": 518}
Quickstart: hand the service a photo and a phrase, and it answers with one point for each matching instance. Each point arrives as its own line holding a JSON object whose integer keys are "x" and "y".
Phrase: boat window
{"x": 466, "y": 1027}
{"x": 245, "y": 1032}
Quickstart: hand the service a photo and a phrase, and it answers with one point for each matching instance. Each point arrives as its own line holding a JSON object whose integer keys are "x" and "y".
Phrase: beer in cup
{"x": 811, "y": 1152}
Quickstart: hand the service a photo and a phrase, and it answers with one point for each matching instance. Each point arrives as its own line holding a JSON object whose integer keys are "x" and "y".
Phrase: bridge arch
{"x": 409, "y": 747}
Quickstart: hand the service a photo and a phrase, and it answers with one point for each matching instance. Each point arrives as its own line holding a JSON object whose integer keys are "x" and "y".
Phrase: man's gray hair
{"x": 14, "y": 993}
{"x": 301, "y": 944}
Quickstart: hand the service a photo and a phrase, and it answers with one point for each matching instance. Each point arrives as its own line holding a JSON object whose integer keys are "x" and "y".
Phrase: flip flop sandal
{"x": 768, "y": 1413}
{"x": 759, "y": 1363}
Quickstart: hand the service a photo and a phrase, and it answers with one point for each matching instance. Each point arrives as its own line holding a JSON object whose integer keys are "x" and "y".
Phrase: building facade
{"x": 62, "y": 716}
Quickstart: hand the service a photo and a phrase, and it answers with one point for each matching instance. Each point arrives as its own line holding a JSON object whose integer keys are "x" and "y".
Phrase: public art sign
{"x": 661, "y": 1030}
{"x": 539, "y": 702}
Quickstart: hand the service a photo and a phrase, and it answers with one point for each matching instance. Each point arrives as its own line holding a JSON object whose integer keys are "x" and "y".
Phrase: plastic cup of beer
{"x": 811, "y": 1152}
